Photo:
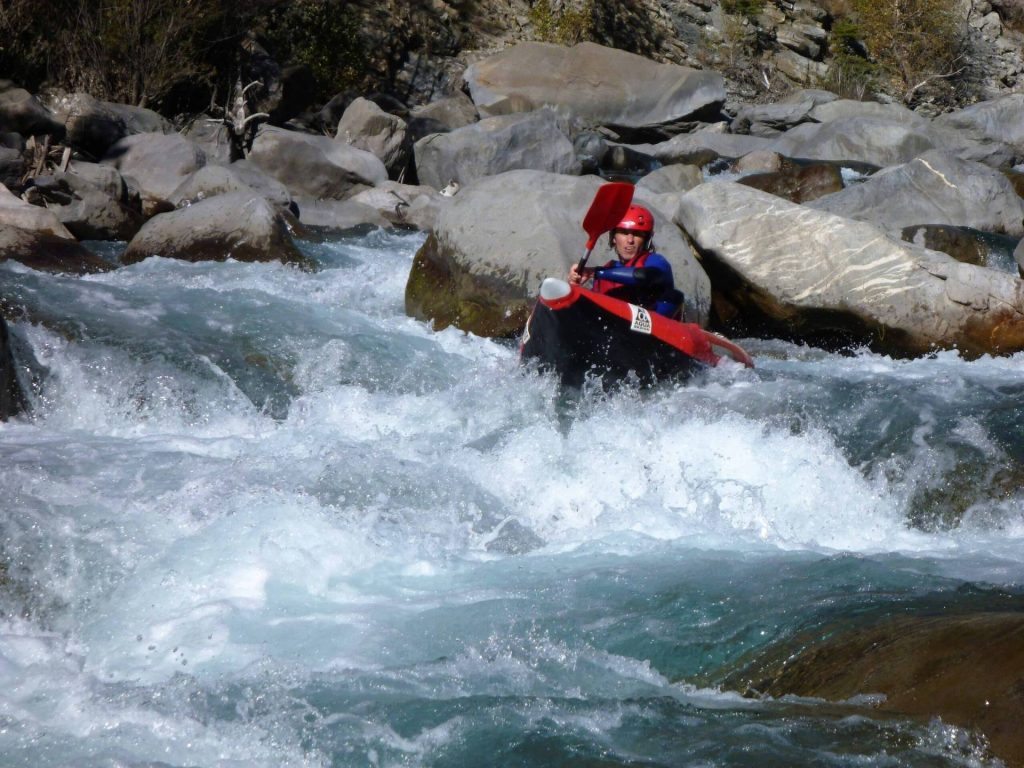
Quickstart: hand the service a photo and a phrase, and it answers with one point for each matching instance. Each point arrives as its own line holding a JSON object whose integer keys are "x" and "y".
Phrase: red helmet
{"x": 637, "y": 219}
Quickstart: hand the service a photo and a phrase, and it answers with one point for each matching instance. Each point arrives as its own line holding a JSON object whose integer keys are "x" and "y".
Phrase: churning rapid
{"x": 259, "y": 517}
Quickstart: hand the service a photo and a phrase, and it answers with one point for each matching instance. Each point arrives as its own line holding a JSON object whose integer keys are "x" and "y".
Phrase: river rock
{"x": 962, "y": 243}
{"x": 846, "y": 109}
{"x": 873, "y": 141}
{"x": 236, "y": 225}
{"x": 92, "y": 126}
{"x": 12, "y": 166}
{"x": 935, "y": 188}
{"x": 315, "y": 167}
{"x": 450, "y": 112}
{"x": 12, "y": 396}
{"x": 798, "y": 183}
{"x": 15, "y": 212}
{"x": 88, "y": 212}
{"x": 498, "y": 239}
{"x": 768, "y": 120}
{"x": 596, "y": 85}
{"x": 678, "y": 177}
{"x": 966, "y": 669}
{"x": 403, "y": 204}
{"x": 702, "y": 147}
{"x": 21, "y": 112}
{"x": 1000, "y": 120}
{"x": 340, "y": 215}
{"x": 46, "y": 252}
{"x": 531, "y": 140}
{"x": 157, "y": 164}
{"x": 211, "y": 136}
{"x": 212, "y": 180}
{"x": 366, "y": 126}
{"x": 807, "y": 274}
{"x": 1018, "y": 256}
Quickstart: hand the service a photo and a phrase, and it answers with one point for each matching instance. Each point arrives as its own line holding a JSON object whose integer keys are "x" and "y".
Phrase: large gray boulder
{"x": 791, "y": 270}
{"x": 874, "y": 141}
{"x": 157, "y": 163}
{"x": 237, "y": 225}
{"x": 596, "y": 85}
{"x": 1000, "y": 120}
{"x": 529, "y": 140}
{"x": 935, "y": 188}
{"x": 315, "y": 167}
{"x": 21, "y": 112}
{"x": 366, "y": 126}
{"x": 92, "y": 126}
{"x": 496, "y": 241}
{"x": 15, "y": 212}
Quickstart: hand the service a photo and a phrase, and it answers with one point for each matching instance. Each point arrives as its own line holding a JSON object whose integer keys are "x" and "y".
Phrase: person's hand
{"x": 575, "y": 276}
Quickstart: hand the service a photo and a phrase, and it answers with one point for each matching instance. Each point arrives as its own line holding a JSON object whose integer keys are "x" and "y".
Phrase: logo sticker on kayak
{"x": 641, "y": 319}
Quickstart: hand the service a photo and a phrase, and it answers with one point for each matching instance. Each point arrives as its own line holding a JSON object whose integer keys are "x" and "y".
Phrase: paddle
{"x": 610, "y": 204}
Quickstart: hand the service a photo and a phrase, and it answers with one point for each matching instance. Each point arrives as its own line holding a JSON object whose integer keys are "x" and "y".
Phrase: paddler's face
{"x": 628, "y": 245}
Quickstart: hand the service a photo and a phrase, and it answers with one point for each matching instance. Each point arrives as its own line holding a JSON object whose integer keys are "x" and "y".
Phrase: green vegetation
{"x": 747, "y": 8}
{"x": 566, "y": 26}
{"x": 325, "y": 36}
{"x": 850, "y": 75}
{"x": 917, "y": 44}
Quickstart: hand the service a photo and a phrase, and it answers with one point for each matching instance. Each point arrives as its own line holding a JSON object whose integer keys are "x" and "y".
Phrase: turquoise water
{"x": 261, "y": 517}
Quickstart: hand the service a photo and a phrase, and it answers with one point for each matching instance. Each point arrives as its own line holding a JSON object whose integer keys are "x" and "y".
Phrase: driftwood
{"x": 240, "y": 124}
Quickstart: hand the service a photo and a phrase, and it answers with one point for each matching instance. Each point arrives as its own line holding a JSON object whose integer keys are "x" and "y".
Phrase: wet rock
{"x": 88, "y": 212}
{"x": 964, "y": 244}
{"x": 798, "y": 183}
{"x": 12, "y": 396}
{"x": 237, "y": 225}
{"x": 967, "y": 670}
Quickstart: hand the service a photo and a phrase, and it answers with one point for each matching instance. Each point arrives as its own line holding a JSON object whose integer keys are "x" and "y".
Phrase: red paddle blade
{"x": 610, "y": 204}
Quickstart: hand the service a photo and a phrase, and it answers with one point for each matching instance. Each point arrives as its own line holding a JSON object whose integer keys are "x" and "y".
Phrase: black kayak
{"x": 576, "y": 332}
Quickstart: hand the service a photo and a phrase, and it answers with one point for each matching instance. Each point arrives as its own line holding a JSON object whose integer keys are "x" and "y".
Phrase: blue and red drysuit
{"x": 645, "y": 280}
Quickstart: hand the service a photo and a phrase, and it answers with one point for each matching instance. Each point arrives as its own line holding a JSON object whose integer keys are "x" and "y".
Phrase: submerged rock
{"x": 967, "y": 670}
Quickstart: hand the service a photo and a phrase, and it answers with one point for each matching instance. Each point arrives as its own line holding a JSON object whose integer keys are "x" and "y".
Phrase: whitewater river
{"x": 260, "y": 517}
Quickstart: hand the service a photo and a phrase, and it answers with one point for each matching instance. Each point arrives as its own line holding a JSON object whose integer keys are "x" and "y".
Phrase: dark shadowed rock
{"x": 935, "y": 188}
{"x": 595, "y": 84}
{"x": 157, "y": 163}
{"x": 12, "y": 396}
{"x": 87, "y": 211}
{"x": 12, "y": 166}
{"x": 966, "y": 669}
{"x": 93, "y": 126}
{"x": 46, "y": 252}
{"x": 314, "y": 166}
{"x": 531, "y": 140}
{"x": 241, "y": 226}
{"x": 962, "y": 243}
{"x": 794, "y": 271}
{"x": 798, "y": 183}
{"x": 22, "y": 113}
{"x": 480, "y": 269}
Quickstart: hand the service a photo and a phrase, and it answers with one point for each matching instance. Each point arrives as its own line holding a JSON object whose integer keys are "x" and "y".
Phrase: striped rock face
{"x": 815, "y": 276}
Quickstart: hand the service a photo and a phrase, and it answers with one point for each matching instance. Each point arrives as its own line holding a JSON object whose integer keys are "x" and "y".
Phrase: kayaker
{"x": 640, "y": 275}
